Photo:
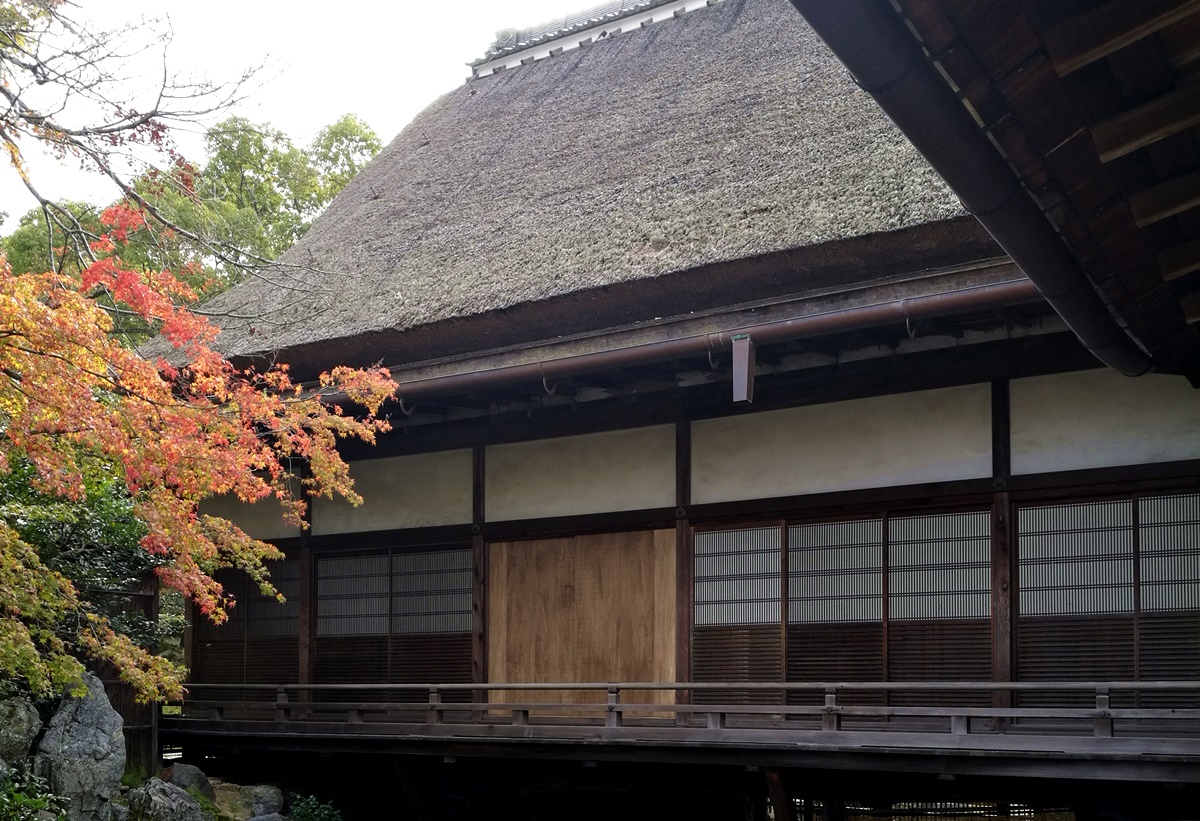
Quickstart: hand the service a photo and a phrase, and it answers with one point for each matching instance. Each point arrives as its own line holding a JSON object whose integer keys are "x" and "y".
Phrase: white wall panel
{"x": 420, "y": 490}
{"x": 594, "y": 473}
{"x": 261, "y": 520}
{"x": 928, "y": 436}
{"x": 1098, "y": 418}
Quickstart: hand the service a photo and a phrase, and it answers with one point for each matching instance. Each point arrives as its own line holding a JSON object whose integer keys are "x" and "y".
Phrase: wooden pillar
{"x": 684, "y": 562}
{"x": 1003, "y": 554}
{"x": 190, "y": 614}
{"x": 478, "y": 572}
{"x": 781, "y": 802}
{"x": 307, "y": 626}
{"x": 784, "y": 604}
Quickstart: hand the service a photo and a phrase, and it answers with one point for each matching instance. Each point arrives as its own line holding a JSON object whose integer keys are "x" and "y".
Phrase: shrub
{"x": 24, "y": 796}
{"x": 308, "y": 808}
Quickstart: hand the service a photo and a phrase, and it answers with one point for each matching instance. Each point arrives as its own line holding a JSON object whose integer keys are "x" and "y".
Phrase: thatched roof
{"x": 719, "y": 136}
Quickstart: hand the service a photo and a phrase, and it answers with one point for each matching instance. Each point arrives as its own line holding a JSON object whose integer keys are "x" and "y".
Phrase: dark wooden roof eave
{"x": 830, "y": 268}
{"x": 1094, "y": 106}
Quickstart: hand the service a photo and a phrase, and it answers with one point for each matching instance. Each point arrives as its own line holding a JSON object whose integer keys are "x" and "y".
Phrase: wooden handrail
{"x": 738, "y": 686}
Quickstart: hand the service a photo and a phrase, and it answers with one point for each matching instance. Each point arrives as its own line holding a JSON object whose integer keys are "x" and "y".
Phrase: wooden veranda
{"x": 823, "y": 725}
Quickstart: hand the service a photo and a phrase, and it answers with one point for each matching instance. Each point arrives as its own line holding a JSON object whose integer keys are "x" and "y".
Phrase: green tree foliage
{"x": 31, "y": 246}
{"x": 94, "y": 542}
{"x": 339, "y": 151}
{"x": 254, "y": 197}
{"x": 259, "y": 179}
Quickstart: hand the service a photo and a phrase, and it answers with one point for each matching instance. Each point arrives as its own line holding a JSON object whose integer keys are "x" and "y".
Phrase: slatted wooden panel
{"x": 1169, "y": 621}
{"x": 1062, "y": 648}
{"x": 1169, "y": 649}
{"x": 393, "y": 616}
{"x": 258, "y": 644}
{"x": 931, "y": 650}
{"x": 1076, "y": 598}
{"x": 836, "y": 652}
{"x": 939, "y": 604}
{"x": 835, "y": 619}
{"x": 235, "y": 625}
{"x": 737, "y": 634}
{"x": 274, "y": 660}
{"x": 731, "y": 653}
{"x": 432, "y": 658}
{"x": 350, "y": 660}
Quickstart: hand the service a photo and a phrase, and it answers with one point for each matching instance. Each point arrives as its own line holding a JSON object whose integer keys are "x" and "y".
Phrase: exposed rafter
{"x": 1180, "y": 260}
{"x": 1166, "y": 199}
{"x": 1095, "y": 34}
{"x": 1148, "y": 123}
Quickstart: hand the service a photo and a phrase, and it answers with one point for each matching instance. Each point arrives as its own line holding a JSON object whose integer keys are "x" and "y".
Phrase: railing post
{"x": 281, "y": 700}
{"x": 1103, "y": 725}
{"x": 433, "y": 715}
{"x": 831, "y": 720}
{"x": 716, "y": 721}
{"x": 960, "y": 725}
{"x": 612, "y": 716}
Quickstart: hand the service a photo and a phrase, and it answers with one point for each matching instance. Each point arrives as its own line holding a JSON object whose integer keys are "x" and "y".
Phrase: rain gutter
{"x": 947, "y": 303}
{"x": 887, "y": 62}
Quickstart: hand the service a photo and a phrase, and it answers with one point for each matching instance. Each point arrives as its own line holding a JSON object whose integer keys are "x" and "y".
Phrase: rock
{"x": 19, "y": 726}
{"x": 264, "y": 799}
{"x": 115, "y": 812}
{"x": 233, "y": 801}
{"x": 273, "y": 816}
{"x": 188, "y": 777}
{"x": 156, "y": 800}
{"x": 82, "y": 755}
{"x": 4, "y": 770}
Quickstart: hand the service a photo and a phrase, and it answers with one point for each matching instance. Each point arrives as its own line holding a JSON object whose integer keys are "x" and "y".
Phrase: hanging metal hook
{"x": 407, "y": 411}
{"x": 549, "y": 390}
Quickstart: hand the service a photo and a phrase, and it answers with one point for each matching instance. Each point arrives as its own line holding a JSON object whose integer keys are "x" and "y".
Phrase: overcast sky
{"x": 384, "y": 61}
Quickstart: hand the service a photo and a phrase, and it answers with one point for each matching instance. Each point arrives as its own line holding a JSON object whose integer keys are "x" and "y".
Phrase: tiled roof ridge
{"x": 608, "y": 19}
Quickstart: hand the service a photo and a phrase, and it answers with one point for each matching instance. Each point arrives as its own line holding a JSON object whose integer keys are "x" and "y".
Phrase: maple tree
{"x": 176, "y": 433}
{"x": 84, "y": 414}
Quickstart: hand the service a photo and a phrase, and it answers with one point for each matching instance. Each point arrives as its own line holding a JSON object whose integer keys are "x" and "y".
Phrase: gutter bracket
{"x": 743, "y": 368}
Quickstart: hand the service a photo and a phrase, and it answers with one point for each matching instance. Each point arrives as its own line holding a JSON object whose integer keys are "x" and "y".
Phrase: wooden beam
{"x": 1182, "y": 43}
{"x": 1093, "y": 35}
{"x": 1148, "y": 123}
{"x": 1191, "y": 308}
{"x": 1001, "y": 434}
{"x": 1180, "y": 260}
{"x": 1166, "y": 199}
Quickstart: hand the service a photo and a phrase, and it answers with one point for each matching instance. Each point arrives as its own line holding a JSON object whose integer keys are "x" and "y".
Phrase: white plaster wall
{"x": 1098, "y": 418}
{"x": 261, "y": 520}
{"x": 594, "y": 473}
{"x": 928, "y": 436}
{"x": 420, "y": 490}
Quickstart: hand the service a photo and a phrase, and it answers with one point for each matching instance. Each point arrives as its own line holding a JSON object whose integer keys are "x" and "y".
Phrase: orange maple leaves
{"x": 177, "y": 431}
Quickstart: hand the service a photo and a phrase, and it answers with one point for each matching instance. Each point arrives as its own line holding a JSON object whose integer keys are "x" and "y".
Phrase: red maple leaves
{"x": 177, "y": 431}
